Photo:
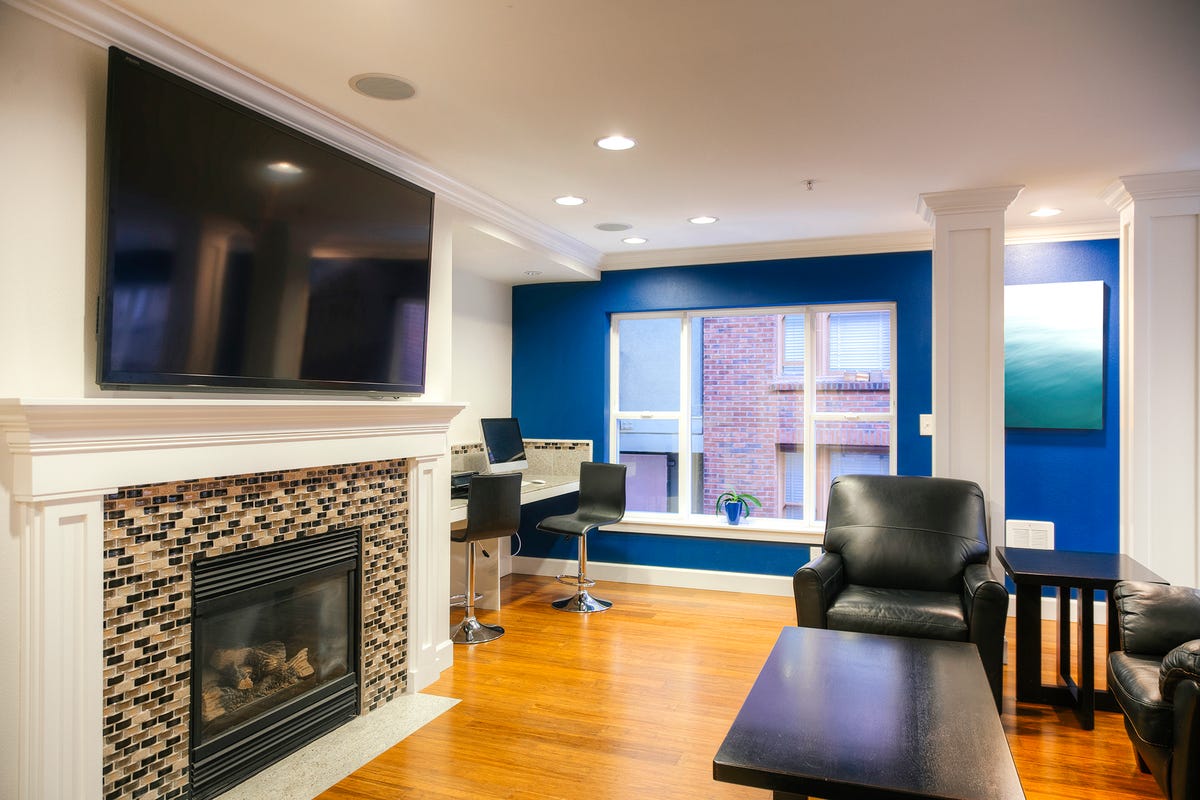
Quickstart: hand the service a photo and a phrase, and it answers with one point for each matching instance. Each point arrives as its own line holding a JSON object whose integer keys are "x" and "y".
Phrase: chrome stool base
{"x": 582, "y": 603}
{"x": 472, "y": 631}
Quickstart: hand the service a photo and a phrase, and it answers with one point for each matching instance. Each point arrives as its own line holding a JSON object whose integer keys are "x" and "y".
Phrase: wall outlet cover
{"x": 1034, "y": 534}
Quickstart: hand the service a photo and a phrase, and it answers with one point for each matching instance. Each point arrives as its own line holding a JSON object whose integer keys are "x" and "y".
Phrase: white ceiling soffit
{"x": 491, "y": 252}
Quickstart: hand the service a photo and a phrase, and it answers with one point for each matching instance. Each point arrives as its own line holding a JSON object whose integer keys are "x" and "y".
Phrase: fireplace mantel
{"x": 81, "y": 446}
{"x": 61, "y": 457}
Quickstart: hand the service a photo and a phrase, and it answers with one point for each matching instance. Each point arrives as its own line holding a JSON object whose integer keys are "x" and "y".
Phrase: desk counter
{"x": 531, "y": 492}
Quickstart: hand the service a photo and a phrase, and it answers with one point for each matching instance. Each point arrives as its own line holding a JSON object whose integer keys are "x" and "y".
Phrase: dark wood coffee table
{"x": 856, "y": 715}
{"x": 1032, "y": 569}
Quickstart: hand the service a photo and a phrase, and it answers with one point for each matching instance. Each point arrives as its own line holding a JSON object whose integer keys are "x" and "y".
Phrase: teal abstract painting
{"x": 1054, "y": 355}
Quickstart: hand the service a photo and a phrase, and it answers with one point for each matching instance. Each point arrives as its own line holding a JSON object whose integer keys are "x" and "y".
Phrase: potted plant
{"x": 736, "y": 504}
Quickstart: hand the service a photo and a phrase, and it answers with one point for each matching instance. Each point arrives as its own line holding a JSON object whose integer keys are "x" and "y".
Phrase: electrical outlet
{"x": 927, "y": 424}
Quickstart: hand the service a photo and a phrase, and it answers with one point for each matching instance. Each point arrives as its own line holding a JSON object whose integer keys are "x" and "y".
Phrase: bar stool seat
{"x": 601, "y": 502}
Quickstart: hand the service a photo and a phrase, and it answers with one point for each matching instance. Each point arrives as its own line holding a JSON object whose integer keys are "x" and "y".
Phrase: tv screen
{"x": 242, "y": 254}
{"x": 504, "y": 444}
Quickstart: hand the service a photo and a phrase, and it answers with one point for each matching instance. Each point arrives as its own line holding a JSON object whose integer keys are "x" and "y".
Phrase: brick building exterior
{"x": 753, "y": 413}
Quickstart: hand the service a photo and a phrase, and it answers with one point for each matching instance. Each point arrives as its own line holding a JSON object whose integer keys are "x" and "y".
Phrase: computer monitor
{"x": 504, "y": 445}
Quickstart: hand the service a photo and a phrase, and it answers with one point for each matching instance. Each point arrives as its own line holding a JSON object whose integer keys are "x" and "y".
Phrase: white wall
{"x": 440, "y": 333}
{"x": 481, "y": 363}
{"x": 52, "y": 89}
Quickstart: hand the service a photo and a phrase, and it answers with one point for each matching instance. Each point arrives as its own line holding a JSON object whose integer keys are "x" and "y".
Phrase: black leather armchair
{"x": 1155, "y": 678}
{"x": 907, "y": 556}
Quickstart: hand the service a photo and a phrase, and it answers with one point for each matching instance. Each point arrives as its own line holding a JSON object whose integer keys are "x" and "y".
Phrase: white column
{"x": 968, "y": 338}
{"x": 61, "y": 649}
{"x": 1160, "y": 371}
{"x": 429, "y": 647}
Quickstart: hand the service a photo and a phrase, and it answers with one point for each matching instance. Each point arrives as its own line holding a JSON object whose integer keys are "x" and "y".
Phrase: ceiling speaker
{"x": 382, "y": 87}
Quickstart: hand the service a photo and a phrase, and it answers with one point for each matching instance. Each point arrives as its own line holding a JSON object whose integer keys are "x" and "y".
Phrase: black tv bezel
{"x": 109, "y": 379}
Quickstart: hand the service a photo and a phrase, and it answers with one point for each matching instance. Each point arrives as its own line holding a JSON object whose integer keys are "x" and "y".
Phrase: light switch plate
{"x": 927, "y": 424}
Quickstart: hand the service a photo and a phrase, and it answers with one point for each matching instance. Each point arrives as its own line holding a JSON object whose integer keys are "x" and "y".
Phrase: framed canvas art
{"x": 1054, "y": 355}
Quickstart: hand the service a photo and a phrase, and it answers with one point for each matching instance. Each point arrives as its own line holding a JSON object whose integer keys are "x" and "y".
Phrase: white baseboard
{"x": 748, "y": 583}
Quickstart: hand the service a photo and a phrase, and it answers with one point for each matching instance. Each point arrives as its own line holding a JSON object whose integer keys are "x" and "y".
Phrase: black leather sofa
{"x": 907, "y": 556}
{"x": 1155, "y": 678}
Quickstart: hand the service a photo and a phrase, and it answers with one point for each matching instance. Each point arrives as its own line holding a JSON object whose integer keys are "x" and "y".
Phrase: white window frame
{"x": 684, "y": 522}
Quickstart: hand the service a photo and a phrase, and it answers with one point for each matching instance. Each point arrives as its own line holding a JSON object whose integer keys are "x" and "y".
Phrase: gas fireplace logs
{"x": 240, "y": 675}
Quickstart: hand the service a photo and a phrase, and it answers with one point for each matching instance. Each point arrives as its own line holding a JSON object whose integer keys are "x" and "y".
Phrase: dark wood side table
{"x": 858, "y": 716}
{"x": 1030, "y": 570}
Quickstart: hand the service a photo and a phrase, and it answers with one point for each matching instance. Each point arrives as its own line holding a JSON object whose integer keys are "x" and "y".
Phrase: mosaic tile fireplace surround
{"x": 153, "y": 533}
{"x": 111, "y": 500}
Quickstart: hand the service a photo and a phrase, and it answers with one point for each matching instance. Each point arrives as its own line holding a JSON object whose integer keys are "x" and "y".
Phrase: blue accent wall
{"x": 1070, "y": 477}
{"x": 561, "y": 362}
{"x": 560, "y": 384}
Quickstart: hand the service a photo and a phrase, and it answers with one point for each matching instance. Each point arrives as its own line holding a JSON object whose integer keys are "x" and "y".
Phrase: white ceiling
{"x": 735, "y": 103}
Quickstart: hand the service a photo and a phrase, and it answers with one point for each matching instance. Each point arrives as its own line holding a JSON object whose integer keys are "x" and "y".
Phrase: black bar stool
{"x": 493, "y": 511}
{"x": 601, "y": 502}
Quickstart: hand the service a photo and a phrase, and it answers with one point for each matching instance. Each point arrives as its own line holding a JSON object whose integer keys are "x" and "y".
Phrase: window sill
{"x": 710, "y": 526}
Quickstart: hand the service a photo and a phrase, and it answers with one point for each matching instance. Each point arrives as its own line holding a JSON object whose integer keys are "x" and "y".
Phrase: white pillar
{"x": 430, "y": 650}
{"x": 968, "y": 338}
{"x": 61, "y": 648}
{"x": 1160, "y": 371}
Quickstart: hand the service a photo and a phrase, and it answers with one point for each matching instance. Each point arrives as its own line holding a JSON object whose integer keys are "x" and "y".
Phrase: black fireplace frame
{"x": 220, "y": 582}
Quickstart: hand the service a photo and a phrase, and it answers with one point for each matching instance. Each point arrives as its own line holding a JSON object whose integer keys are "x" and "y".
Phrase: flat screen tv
{"x": 243, "y": 255}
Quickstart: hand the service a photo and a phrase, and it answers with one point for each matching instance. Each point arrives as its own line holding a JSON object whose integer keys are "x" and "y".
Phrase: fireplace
{"x": 113, "y": 499}
{"x": 274, "y": 654}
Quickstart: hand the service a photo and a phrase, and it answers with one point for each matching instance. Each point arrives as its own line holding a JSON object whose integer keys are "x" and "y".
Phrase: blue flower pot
{"x": 734, "y": 512}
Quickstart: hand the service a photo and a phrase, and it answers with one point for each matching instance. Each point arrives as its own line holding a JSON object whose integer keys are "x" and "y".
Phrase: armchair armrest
{"x": 983, "y": 595}
{"x": 1185, "y": 767}
{"x": 985, "y": 605}
{"x": 1154, "y": 618}
{"x": 815, "y": 585}
{"x": 1181, "y": 664}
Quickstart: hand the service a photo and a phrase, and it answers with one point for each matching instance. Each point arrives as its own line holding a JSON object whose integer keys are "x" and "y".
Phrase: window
{"x": 792, "y": 468}
{"x": 703, "y": 402}
{"x": 860, "y": 340}
{"x": 791, "y": 361}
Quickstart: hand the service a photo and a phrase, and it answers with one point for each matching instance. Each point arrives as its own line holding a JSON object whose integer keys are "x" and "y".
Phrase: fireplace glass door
{"x": 275, "y": 649}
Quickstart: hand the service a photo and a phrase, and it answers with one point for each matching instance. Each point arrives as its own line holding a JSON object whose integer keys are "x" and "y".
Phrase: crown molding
{"x": 966, "y": 201}
{"x": 907, "y": 241}
{"x": 1066, "y": 232}
{"x": 104, "y": 25}
{"x": 1154, "y": 186}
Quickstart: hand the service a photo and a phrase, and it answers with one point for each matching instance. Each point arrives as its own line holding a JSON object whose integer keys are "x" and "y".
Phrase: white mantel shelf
{"x": 62, "y": 447}
{"x": 59, "y": 457}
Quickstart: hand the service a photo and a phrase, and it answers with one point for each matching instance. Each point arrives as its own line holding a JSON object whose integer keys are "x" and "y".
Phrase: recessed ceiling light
{"x": 570, "y": 200}
{"x": 1046, "y": 212}
{"x": 613, "y": 226}
{"x": 634, "y": 240}
{"x": 702, "y": 220}
{"x": 532, "y": 273}
{"x": 285, "y": 168}
{"x": 615, "y": 142}
{"x": 382, "y": 86}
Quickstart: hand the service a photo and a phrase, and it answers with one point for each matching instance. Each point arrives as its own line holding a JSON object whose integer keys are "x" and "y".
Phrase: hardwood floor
{"x": 634, "y": 702}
